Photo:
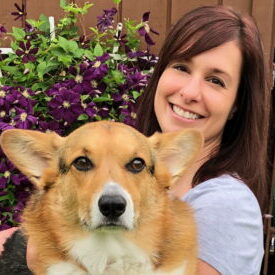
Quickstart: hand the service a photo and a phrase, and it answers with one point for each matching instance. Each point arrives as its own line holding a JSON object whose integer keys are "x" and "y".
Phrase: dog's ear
{"x": 30, "y": 151}
{"x": 177, "y": 150}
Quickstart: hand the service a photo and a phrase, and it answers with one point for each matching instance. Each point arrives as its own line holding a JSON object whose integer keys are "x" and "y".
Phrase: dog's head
{"x": 104, "y": 173}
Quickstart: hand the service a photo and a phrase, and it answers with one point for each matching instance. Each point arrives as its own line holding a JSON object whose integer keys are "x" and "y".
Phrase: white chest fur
{"x": 111, "y": 254}
{"x": 108, "y": 254}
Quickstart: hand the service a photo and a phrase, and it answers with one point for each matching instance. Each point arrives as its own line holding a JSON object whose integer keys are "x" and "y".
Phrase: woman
{"x": 210, "y": 76}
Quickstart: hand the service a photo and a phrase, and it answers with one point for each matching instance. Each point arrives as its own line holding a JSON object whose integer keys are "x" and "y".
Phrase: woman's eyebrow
{"x": 219, "y": 71}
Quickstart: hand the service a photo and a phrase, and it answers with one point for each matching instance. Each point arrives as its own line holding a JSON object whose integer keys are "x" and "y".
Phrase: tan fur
{"x": 60, "y": 209}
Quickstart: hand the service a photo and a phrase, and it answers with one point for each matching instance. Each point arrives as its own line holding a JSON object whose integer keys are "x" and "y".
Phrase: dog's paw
{"x": 65, "y": 268}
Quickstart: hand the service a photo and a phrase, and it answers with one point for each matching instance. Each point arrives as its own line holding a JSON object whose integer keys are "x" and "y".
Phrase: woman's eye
{"x": 180, "y": 67}
{"x": 82, "y": 164}
{"x": 216, "y": 81}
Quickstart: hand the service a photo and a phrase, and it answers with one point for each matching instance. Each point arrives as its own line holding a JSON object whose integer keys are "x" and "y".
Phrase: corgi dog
{"x": 101, "y": 204}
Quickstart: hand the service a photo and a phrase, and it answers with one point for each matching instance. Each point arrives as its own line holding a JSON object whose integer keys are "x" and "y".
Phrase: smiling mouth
{"x": 185, "y": 114}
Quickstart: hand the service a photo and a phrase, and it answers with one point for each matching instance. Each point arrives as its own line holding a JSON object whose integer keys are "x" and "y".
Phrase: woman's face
{"x": 200, "y": 92}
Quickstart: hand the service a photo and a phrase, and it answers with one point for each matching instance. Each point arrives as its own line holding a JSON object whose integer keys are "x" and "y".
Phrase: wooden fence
{"x": 164, "y": 13}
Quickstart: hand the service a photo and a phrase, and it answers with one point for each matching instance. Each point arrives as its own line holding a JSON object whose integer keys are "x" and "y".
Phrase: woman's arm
{"x": 4, "y": 235}
{"x": 206, "y": 269}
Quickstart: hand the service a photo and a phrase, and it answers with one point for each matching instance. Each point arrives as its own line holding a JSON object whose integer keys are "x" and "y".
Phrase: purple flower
{"x": 145, "y": 60}
{"x": 65, "y": 105}
{"x": 90, "y": 109}
{"x": 128, "y": 113}
{"x": 24, "y": 118}
{"x": 3, "y": 94}
{"x": 103, "y": 111}
{"x": 6, "y": 126}
{"x": 98, "y": 68}
{"x": 55, "y": 89}
{"x": 6, "y": 168}
{"x": 146, "y": 29}
{"x": 78, "y": 72}
{"x": 2, "y": 30}
{"x": 11, "y": 97}
{"x": 134, "y": 78}
{"x": 53, "y": 126}
{"x": 122, "y": 97}
{"x": 20, "y": 11}
{"x": 106, "y": 20}
{"x": 27, "y": 52}
{"x": 29, "y": 27}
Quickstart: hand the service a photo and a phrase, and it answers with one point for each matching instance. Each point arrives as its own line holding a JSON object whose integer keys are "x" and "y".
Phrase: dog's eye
{"x": 136, "y": 165}
{"x": 83, "y": 164}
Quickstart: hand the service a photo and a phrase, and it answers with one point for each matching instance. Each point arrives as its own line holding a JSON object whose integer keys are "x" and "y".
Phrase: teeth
{"x": 184, "y": 114}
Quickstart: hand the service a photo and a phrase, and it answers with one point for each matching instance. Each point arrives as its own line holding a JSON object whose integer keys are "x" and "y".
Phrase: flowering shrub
{"x": 56, "y": 80}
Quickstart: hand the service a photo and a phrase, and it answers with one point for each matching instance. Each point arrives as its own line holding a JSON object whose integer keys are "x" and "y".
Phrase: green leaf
{"x": 116, "y": 1}
{"x": 98, "y": 51}
{"x": 83, "y": 117}
{"x": 118, "y": 76}
{"x": 18, "y": 33}
{"x": 34, "y": 23}
{"x": 10, "y": 69}
{"x": 135, "y": 94}
{"x": 65, "y": 59}
{"x": 68, "y": 45}
{"x": 29, "y": 66}
{"x": 57, "y": 51}
{"x": 63, "y": 3}
{"x": 102, "y": 99}
{"x": 84, "y": 97}
{"x": 41, "y": 69}
{"x": 89, "y": 54}
{"x": 39, "y": 86}
{"x": 3, "y": 198}
{"x": 45, "y": 24}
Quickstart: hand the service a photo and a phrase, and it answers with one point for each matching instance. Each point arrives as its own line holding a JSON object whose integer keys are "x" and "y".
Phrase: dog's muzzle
{"x": 113, "y": 208}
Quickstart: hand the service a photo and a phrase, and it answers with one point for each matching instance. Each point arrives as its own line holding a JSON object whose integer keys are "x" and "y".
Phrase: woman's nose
{"x": 191, "y": 90}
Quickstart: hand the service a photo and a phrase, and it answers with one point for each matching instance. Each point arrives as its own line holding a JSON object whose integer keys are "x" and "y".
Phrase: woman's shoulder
{"x": 229, "y": 225}
{"x": 224, "y": 190}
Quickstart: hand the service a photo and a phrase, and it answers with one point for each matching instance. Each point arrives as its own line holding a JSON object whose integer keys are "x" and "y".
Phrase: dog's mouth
{"x": 110, "y": 225}
{"x": 106, "y": 225}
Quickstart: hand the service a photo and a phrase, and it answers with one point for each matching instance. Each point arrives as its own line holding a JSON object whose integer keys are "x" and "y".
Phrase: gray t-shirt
{"x": 229, "y": 224}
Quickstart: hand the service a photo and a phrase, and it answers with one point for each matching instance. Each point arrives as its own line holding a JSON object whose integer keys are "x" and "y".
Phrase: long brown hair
{"x": 243, "y": 145}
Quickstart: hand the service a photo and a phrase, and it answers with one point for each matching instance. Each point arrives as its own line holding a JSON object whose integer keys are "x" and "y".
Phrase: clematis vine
{"x": 26, "y": 52}
{"x": 61, "y": 84}
{"x": 106, "y": 20}
{"x": 145, "y": 30}
{"x": 21, "y": 11}
{"x": 65, "y": 105}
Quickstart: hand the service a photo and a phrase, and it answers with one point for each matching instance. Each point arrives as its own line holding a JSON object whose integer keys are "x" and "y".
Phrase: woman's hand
{"x": 4, "y": 235}
{"x": 31, "y": 254}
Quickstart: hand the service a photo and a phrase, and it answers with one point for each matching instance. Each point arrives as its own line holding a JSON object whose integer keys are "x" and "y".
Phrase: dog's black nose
{"x": 112, "y": 206}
